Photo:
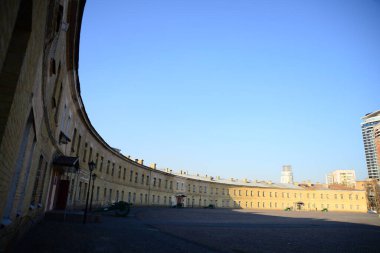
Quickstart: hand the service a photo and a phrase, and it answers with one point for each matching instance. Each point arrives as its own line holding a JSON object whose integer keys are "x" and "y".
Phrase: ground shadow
{"x": 209, "y": 230}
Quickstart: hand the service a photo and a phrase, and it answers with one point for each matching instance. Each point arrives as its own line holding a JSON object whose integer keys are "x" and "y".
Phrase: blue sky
{"x": 233, "y": 88}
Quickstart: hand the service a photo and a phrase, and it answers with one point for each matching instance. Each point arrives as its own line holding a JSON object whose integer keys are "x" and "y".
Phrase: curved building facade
{"x": 47, "y": 140}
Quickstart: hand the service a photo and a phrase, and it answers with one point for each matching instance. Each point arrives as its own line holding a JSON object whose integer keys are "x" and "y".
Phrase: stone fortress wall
{"x": 47, "y": 140}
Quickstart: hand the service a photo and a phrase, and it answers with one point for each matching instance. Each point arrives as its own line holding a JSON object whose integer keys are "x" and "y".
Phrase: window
{"x": 119, "y": 174}
{"x": 97, "y": 161}
{"x": 52, "y": 67}
{"x": 78, "y": 146}
{"x": 136, "y": 177}
{"x": 154, "y": 182}
{"x": 85, "y": 152}
{"x": 101, "y": 164}
{"x": 142, "y": 178}
{"x": 171, "y": 185}
{"x": 147, "y": 180}
{"x": 113, "y": 169}
{"x": 130, "y": 175}
{"x": 90, "y": 155}
{"x": 193, "y": 188}
{"x": 59, "y": 19}
{"x": 36, "y": 181}
{"x": 124, "y": 171}
{"x": 42, "y": 185}
{"x": 57, "y": 100}
{"x": 74, "y": 140}
{"x": 108, "y": 167}
{"x": 159, "y": 183}
{"x": 85, "y": 191}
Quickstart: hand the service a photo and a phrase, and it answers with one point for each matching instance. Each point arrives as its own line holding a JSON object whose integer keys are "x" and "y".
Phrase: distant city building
{"x": 287, "y": 174}
{"x": 371, "y": 139}
{"x": 341, "y": 177}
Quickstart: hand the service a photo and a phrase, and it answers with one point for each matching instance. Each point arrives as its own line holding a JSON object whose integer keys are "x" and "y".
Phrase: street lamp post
{"x": 92, "y": 191}
{"x": 91, "y": 167}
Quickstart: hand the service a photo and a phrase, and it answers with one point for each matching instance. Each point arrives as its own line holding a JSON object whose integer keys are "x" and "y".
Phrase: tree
{"x": 373, "y": 195}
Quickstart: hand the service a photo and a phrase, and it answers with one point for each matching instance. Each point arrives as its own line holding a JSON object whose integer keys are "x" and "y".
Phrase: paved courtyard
{"x": 210, "y": 230}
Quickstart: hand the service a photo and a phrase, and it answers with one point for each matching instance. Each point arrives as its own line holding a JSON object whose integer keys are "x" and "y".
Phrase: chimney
{"x": 153, "y": 166}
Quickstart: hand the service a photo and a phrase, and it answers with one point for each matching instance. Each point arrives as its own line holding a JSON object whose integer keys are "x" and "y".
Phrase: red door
{"x": 63, "y": 191}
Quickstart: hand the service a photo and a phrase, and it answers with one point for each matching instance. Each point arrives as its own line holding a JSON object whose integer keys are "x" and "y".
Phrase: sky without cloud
{"x": 233, "y": 88}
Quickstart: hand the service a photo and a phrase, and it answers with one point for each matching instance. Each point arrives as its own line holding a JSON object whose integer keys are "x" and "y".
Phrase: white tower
{"x": 371, "y": 122}
{"x": 287, "y": 174}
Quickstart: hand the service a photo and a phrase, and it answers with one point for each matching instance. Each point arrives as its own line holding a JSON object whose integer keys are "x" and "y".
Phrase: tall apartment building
{"x": 287, "y": 174}
{"x": 343, "y": 177}
{"x": 371, "y": 138}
